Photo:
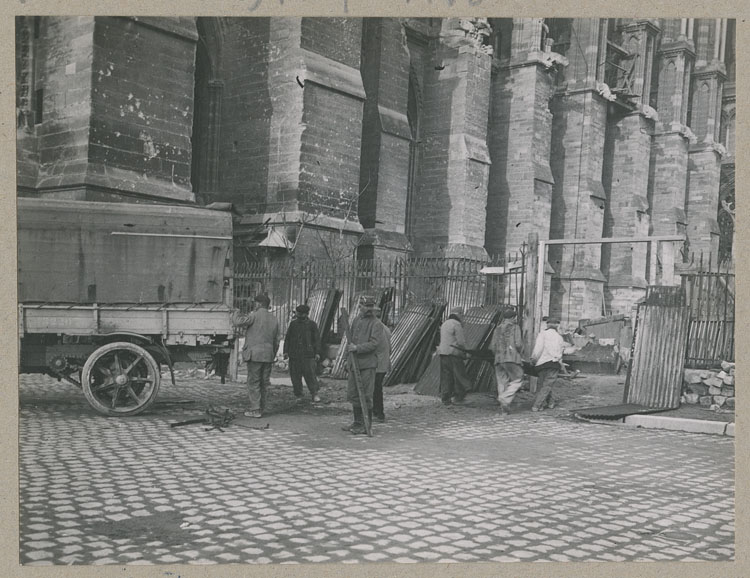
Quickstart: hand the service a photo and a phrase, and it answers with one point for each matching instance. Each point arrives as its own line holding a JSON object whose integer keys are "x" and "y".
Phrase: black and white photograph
{"x": 375, "y": 291}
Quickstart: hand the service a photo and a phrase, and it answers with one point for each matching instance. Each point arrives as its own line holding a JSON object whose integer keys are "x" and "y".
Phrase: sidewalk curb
{"x": 681, "y": 424}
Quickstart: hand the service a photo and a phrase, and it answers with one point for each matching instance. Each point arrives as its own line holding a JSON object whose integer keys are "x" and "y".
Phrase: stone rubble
{"x": 713, "y": 389}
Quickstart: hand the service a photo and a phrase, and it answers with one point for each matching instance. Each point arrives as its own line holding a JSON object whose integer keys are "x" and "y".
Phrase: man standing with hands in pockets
{"x": 302, "y": 346}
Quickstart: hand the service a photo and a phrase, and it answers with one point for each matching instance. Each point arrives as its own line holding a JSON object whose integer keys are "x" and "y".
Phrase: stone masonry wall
{"x": 627, "y": 214}
{"x": 329, "y": 177}
{"x": 65, "y": 61}
{"x": 332, "y": 117}
{"x": 520, "y": 182}
{"x": 248, "y": 169}
{"x": 142, "y": 107}
{"x": 452, "y": 195}
{"x": 30, "y": 49}
{"x": 704, "y": 168}
{"x": 386, "y": 133}
{"x": 578, "y": 203}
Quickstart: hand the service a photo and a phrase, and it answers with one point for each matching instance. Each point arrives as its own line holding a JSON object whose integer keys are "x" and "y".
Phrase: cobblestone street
{"x": 459, "y": 484}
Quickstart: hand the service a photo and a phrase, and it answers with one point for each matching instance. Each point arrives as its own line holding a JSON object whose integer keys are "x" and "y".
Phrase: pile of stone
{"x": 710, "y": 388}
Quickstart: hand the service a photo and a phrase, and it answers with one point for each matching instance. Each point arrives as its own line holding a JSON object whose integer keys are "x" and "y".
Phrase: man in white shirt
{"x": 547, "y": 354}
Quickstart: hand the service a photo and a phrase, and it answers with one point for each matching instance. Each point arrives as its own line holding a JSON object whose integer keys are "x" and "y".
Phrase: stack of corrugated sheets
{"x": 479, "y": 323}
{"x": 412, "y": 342}
{"x": 383, "y": 299}
{"x": 323, "y": 305}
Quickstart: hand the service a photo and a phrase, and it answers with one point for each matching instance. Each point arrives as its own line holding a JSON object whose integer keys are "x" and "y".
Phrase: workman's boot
{"x": 359, "y": 427}
{"x": 358, "y": 421}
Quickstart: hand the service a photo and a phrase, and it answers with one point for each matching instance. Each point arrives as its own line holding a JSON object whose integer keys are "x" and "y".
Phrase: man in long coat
{"x": 365, "y": 336}
{"x": 259, "y": 351}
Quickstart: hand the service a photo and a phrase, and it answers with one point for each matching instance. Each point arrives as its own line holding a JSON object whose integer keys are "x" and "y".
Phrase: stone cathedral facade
{"x": 388, "y": 137}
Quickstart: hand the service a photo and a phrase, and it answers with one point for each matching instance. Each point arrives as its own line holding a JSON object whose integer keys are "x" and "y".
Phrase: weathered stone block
{"x": 691, "y": 398}
{"x": 727, "y": 391}
{"x": 692, "y": 376}
{"x": 719, "y": 400}
{"x": 714, "y": 391}
{"x": 698, "y": 389}
{"x": 729, "y": 380}
{"x": 727, "y": 366}
{"x": 729, "y": 403}
{"x": 713, "y": 382}
{"x": 705, "y": 400}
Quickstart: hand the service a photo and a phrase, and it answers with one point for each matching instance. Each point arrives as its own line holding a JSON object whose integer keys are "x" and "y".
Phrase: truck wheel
{"x": 120, "y": 379}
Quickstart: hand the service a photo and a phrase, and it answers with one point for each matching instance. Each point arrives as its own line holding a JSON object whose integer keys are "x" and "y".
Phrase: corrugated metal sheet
{"x": 410, "y": 332}
{"x": 323, "y": 304}
{"x": 479, "y": 322}
{"x": 655, "y": 371}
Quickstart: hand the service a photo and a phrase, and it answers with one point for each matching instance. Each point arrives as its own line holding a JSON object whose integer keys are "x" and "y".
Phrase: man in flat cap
{"x": 507, "y": 345}
{"x": 302, "y": 346}
{"x": 259, "y": 351}
{"x": 547, "y": 354}
{"x": 365, "y": 337}
{"x": 452, "y": 351}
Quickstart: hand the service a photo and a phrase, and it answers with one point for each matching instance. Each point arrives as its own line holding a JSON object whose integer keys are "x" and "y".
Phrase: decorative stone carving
{"x": 649, "y": 112}
{"x": 476, "y": 31}
{"x": 603, "y": 89}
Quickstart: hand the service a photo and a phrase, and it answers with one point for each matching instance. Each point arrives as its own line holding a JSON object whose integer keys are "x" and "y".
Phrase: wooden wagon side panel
{"x": 88, "y": 252}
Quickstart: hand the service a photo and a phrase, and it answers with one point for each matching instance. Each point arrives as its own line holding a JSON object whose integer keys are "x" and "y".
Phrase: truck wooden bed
{"x": 109, "y": 292}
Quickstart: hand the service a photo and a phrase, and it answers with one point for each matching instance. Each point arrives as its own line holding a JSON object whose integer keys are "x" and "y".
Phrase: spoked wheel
{"x": 120, "y": 379}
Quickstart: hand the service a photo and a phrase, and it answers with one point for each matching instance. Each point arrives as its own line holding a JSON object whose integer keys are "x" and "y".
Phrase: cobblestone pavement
{"x": 435, "y": 484}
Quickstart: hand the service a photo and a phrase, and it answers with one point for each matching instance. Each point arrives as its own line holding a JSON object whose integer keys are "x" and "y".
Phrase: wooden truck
{"x": 111, "y": 292}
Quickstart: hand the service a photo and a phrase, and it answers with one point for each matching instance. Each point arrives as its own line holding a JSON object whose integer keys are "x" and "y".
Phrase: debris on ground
{"x": 216, "y": 418}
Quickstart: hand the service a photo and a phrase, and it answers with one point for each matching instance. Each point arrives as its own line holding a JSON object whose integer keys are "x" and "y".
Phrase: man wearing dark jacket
{"x": 302, "y": 346}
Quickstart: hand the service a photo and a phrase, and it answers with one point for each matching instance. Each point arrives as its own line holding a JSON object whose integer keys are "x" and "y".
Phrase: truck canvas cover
{"x": 120, "y": 253}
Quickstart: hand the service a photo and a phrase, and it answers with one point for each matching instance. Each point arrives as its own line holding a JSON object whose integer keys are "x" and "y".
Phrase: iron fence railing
{"x": 711, "y": 299}
{"x": 455, "y": 281}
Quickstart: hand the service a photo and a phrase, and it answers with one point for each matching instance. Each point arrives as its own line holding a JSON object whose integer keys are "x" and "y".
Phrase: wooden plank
{"x": 80, "y": 321}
